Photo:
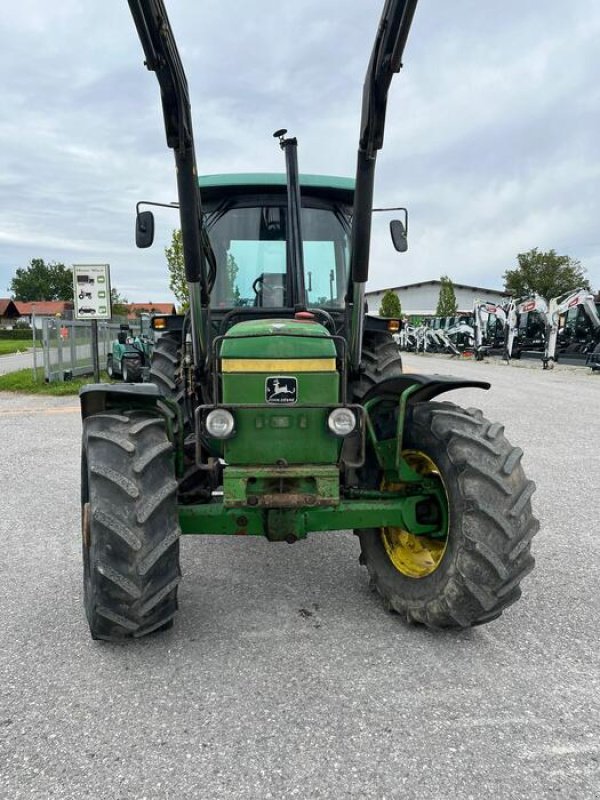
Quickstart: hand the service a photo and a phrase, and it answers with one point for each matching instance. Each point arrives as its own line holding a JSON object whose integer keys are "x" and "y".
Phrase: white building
{"x": 421, "y": 299}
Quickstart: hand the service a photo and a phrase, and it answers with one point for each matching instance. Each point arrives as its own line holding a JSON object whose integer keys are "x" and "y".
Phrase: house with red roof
{"x": 9, "y": 313}
{"x": 44, "y": 308}
{"x": 135, "y": 309}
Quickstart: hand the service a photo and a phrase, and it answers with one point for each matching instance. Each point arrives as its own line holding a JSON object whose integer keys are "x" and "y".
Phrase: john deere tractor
{"x": 276, "y": 407}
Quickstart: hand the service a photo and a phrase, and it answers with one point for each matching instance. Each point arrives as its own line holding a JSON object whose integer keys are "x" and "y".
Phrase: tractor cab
{"x": 247, "y": 221}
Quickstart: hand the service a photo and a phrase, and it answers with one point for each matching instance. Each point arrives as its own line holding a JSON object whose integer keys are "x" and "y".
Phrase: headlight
{"x": 342, "y": 421}
{"x": 219, "y": 423}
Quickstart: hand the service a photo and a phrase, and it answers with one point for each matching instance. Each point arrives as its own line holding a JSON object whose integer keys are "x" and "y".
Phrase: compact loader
{"x": 277, "y": 408}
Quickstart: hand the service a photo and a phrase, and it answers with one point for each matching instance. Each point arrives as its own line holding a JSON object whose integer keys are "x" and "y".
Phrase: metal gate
{"x": 67, "y": 346}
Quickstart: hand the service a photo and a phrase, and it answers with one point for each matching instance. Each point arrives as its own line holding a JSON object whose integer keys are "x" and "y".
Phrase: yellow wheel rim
{"x": 415, "y": 556}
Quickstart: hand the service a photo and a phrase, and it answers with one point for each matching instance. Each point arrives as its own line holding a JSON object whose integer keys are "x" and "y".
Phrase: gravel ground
{"x": 283, "y": 676}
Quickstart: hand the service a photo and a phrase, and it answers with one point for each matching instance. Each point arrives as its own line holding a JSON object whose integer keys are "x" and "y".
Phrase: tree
{"x": 390, "y": 305}
{"x": 118, "y": 303}
{"x": 175, "y": 262}
{"x": 232, "y": 270}
{"x": 41, "y": 281}
{"x": 546, "y": 274}
{"x": 447, "y": 305}
{"x": 177, "y": 281}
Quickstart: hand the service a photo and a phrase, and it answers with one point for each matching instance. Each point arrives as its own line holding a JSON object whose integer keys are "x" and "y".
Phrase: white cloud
{"x": 491, "y": 139}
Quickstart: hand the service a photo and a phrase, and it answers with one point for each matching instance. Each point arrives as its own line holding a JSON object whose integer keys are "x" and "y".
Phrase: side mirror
{"x": 398, "y": 233}
{"x": 144, "y": 229}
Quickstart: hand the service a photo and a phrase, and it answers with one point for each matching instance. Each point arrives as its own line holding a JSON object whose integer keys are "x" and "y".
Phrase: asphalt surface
{"x": 16, "y": 361}
{"x": 24, "y": 360}
{"x": 283, "y": 676}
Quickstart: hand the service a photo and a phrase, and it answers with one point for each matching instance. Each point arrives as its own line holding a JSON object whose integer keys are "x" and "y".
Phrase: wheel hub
{"x": 412, "y": 555}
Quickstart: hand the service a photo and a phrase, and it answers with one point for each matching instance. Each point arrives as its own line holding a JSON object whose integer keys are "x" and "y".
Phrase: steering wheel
{"x": 255, "y": 286}
{"x": 267, "y": 292}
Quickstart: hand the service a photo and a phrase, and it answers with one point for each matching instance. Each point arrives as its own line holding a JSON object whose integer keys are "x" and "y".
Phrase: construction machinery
{"x": 568, "y": 307}
{"x": 526, "y": 323}
{"x": 277, "y": 408}
{"x": 489, "y": 329}
{"x": 462, "y": 334}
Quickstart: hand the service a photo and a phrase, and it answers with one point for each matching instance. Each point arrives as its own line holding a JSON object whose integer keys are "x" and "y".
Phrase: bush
{"x": 21, "y": 334}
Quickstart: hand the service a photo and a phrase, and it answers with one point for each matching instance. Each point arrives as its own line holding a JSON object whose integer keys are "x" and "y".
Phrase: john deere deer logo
{"x": 282, "y": 390}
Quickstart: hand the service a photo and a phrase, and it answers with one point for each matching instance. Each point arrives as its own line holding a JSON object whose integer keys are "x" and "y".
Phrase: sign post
{"x": 95, "y": 357}
{"x": 91, "y": 293}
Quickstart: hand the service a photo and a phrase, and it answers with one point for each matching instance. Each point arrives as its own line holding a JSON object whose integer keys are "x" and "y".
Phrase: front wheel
{"x": 130, "y": 525}
{"x": 110, "y": 371}
{"x": 132, "y": 370}
{"x": 470, "y": 570}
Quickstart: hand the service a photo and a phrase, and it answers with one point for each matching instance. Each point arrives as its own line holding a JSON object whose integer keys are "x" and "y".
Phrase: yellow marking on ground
{"x": 278, "y": 365}
{"x": 17, "y": 412}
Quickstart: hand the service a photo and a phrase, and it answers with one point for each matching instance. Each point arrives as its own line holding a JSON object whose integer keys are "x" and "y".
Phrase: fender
{"x": 96, "y": 398}
{"x": 99, "y": 398}
{"x": 406, "y": 390}
{"x": 420, "y": 388}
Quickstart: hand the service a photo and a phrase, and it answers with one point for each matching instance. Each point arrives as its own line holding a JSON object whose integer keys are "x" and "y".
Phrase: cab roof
{"x": 217, "y": 187}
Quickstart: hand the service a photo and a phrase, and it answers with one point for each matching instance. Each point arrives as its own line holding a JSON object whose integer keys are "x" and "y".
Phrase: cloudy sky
{"x": 492, "y": 138}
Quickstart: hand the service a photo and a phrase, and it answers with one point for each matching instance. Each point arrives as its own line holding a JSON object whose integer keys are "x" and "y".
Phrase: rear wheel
{"x": 130, "y": 525}
{"x": 165, "y": 366}
{"x": 167, "y": 374}
{"x": 381, "y": 360}
{"x": 109, "y": 367}
{"x": 469, "y": 571}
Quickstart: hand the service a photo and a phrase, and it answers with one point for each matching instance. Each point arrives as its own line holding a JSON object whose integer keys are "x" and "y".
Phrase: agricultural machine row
{"x": 276, "y": 407}
{"x": 566, "y": 329}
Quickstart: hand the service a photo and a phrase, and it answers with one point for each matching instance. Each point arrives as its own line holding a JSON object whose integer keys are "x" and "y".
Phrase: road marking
{"x": 17, "y": 412}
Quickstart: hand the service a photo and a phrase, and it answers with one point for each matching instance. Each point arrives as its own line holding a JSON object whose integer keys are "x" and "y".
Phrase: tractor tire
{"x": 109, "y": 367}
{"x": 132, "y": 370}
{"x": 130, "y": 525}
{"x": 165, "y": 366}
{"x": 476, "y": 570}
{"x": 166, "y": 373}
{"x": 381, "y": 360}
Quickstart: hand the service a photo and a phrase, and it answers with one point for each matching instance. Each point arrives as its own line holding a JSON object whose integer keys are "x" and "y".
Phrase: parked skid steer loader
{"x": 277, "y": 408}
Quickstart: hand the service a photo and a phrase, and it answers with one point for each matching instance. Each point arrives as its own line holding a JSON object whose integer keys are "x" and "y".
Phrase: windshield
{"x": 250, "y": 248}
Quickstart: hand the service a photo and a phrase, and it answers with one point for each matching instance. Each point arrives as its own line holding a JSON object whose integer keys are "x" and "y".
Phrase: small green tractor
{"x": 129, "y": 358}
{"x": 276, "y": 407}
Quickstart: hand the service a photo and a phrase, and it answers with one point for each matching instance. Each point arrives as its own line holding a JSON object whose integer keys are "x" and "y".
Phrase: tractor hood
{"x": 278, "y": 339}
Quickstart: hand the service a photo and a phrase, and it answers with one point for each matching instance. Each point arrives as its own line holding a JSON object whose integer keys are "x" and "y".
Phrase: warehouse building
{"x": 421, "y": 299}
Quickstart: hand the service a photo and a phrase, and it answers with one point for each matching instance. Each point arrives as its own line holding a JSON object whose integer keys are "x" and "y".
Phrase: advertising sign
{"x": 91, "y": 289}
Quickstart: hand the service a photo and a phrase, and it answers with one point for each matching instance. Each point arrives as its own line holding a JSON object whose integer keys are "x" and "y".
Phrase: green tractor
{"x": 129, "y": 358}
{"x": 276, "y": 407}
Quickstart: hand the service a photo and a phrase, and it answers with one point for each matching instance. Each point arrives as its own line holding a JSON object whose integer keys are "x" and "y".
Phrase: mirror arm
{"x": 396, "y": 208}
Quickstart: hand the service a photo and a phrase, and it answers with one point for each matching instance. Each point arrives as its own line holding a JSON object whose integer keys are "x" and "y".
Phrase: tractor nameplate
{"x": 281, "y": 390}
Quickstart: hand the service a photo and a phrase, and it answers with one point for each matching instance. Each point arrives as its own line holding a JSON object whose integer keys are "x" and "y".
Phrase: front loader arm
{"x": 162, "y": 57}
{"x": 385, "y": 61}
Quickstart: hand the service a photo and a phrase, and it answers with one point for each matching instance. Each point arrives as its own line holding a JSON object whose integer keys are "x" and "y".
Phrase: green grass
{"x": 22, "y": 381}
{"x": 8, "y": 346}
